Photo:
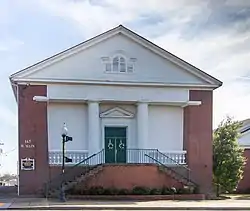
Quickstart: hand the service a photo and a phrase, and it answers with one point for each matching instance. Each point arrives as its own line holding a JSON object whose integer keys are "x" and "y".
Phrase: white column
{"x": 142, "y": 124}
{"x": 93, "y": 127}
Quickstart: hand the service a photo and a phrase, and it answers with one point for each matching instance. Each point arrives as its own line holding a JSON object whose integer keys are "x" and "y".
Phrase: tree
{"x": 228, "y": 159}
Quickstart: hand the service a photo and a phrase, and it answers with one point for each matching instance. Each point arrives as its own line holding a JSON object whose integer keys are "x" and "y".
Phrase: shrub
{"x": 155, "y": 191}
{"x": 98, "y": 190}
{"x": 110, "y": 191}
{"x": 165, "y": 191}
{"x": 140, "y": 191}
{"x": 123, "y": 192}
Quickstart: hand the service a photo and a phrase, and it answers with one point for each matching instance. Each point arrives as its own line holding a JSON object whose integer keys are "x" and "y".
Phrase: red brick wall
{"x": 198, "y": 139}
{"x": 32, "y": 125}
{"x": 129, "y": 176}
{"x": 244, "y": 185}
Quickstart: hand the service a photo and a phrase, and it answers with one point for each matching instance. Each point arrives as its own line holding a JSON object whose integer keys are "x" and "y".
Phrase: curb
{"x": 123, "y": 208}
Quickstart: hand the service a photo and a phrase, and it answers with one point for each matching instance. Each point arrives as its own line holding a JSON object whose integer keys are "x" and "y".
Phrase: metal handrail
{"x": 173, "y": 160}
{"x": 157, "y": 161}
{"x": 58, "y": 177}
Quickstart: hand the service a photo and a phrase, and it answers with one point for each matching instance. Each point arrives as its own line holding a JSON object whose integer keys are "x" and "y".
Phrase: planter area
{"x": 140, "y": 197}
{"x": 137, "y": 193}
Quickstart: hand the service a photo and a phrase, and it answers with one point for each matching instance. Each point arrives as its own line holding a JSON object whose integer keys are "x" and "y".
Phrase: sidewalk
{"x": 43, "y": 204}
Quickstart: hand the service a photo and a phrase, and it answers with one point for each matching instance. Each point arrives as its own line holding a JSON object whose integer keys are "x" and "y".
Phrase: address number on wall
{"x": 28, "y": 144}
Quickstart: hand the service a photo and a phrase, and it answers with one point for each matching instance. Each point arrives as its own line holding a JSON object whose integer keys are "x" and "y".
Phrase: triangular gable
{"x": 130, "y": 34}
{"x": 116, "y": 113}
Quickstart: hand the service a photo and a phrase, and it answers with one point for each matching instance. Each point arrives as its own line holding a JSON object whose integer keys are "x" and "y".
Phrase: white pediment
{"x": 84, "y": 63}
{"x": 116, "y": 113}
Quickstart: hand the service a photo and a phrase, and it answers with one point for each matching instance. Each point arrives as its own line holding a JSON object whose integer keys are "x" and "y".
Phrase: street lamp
{"x": 65, "y": 139}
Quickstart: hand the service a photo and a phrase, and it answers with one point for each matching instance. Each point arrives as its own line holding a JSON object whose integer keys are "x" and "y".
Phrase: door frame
{"x": 113, "y": 122}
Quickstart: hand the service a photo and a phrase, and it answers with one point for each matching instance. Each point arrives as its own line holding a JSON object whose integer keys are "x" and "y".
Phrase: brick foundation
{"x": 129, "y": 176}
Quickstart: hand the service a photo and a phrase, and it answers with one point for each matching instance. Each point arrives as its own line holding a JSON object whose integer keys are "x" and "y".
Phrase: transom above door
{"x": 115, "y": 139}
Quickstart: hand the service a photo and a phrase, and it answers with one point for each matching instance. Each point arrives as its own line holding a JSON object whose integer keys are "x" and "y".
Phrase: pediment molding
{"x": 24, "y": 75}
{"x": 116, "y": 113}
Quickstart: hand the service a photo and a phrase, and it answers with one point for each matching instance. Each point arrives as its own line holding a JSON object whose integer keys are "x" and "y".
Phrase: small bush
{"x": 98, "y": 190}
{"x": 155, "y": 191}
{"x": 140, "y": 191}
{"x": 84, "y": 192}
{"x": 184, "y": 190}
{"x": 123, "y": 192}
{"x": 165, "y": 191}
{"x": 110, "y": 191}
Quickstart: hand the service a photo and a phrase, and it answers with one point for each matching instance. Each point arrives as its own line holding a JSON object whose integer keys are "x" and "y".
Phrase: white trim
{"x": 110, "y": 113}
{"x": 119, "y": 83}
{"x": 174, "y": 151}
{"x": 156, "y": 49}
{"x": 40, "y": 98}
{"x": 58, "y": 150}
{"x": 67, "y": 53}
{"x": 137, "y": 38}
{"x": 244, "y": 146}
{"x": 192, "y": 103}
{"x": 81, "y": 100}
{"x": 109, "y": 123}
{"x": 246, "y": 132}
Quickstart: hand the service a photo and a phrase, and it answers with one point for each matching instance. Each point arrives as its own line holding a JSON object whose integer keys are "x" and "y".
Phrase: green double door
{"x": 115, "y": 144}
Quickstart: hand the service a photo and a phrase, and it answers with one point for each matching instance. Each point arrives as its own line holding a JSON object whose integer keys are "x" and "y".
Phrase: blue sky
{"x": 212, "y": 35}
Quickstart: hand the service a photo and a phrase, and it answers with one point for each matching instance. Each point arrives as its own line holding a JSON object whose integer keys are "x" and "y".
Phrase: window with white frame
{"x": 118, "y": 64}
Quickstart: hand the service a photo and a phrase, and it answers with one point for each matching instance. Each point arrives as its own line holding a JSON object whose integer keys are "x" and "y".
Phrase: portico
{"x": 121, "y": 128}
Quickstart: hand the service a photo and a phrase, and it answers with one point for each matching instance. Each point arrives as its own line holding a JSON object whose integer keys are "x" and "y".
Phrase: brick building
{"x": 124, "y": 100}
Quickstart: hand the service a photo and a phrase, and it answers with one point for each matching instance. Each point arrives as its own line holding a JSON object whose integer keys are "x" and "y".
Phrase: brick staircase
{"x": 79, "y": 173}
{"x": 178, "y": 177}
{"x": 92, "y": 166}
{"x": 180, "y": 173}
{"x": 82, "y": 178}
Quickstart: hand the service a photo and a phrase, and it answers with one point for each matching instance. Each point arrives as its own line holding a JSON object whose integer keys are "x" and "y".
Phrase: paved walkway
{"x": 40, "y": 203}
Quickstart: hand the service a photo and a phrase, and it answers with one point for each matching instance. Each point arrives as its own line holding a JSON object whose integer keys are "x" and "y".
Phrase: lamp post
{"x": 65, "y": 139}
{"x": 64, "y": 134}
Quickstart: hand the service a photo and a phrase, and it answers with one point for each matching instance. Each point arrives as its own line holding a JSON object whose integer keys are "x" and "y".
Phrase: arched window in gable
{"x": 118, "y": 64}
{"x": 122, "y": 63}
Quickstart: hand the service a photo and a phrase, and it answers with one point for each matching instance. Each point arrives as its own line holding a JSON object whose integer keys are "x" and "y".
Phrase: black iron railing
{"x": 72, "y": 172}
{"x": 183, "y": 170}
{"x": 179, "y": 175}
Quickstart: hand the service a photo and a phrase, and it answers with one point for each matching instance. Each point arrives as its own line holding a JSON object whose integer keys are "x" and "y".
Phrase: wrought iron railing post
{"x": 180, "y": 175}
